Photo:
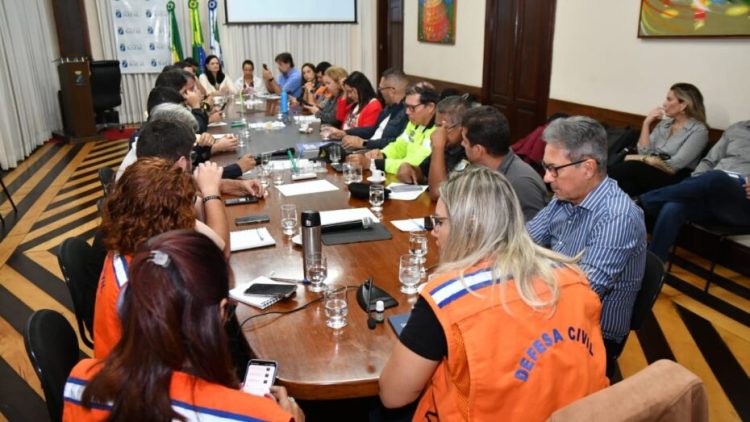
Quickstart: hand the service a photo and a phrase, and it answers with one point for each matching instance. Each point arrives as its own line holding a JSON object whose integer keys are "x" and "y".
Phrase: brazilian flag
{"x": 195, "y": 25}
{"x": 175, "y": 45}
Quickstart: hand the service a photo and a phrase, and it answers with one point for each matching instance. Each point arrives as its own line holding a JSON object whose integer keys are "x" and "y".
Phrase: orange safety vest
{"x": 519, "y": 364}
{"x": 107, "y": 326}
{"x": 192, "y": 397}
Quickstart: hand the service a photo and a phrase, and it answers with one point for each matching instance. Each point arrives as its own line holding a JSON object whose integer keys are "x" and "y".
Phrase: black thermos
{"x": 311, "y": 243}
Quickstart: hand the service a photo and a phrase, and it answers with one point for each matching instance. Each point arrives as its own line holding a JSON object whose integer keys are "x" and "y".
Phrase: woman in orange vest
{"x": 173, "y": 360}
{"x": 504, "y": 329}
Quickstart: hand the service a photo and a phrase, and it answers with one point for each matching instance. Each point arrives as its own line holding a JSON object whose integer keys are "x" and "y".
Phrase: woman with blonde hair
{"x": 672, "y": 150}
{"x": 328, "y": 108}
{"x": 504, "y": 329}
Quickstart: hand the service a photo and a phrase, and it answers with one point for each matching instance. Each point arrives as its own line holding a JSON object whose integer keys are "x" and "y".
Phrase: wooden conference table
{"x": 316, "y": 362}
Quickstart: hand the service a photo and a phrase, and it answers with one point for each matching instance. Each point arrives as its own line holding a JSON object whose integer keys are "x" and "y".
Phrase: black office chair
{"x": 106, "y": 177}
{"x": 81, "y": 268}
{"x": 53, "y": 350}
{"x": 105, "y": 92}
{"x": 653, "y": 280}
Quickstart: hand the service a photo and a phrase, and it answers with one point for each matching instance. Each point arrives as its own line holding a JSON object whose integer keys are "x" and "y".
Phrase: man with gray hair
{"x": 590, "y": 215}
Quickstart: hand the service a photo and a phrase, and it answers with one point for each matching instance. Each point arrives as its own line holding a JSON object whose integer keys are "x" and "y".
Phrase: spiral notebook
{"x": 250, "y": 239}
{"x": 258, "y": 301}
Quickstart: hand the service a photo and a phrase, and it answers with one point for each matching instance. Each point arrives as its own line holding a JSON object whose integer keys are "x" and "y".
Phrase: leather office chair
{"x": 81, "y": 268}
{"x": 105, "y": 92}
{"x": 653, "y": 280}
{"x": 53, "y": 350}
{"x": 106, "y": 177}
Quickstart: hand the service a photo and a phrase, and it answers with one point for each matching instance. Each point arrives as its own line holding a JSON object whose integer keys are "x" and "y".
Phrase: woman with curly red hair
{"x": 153, "y": 196}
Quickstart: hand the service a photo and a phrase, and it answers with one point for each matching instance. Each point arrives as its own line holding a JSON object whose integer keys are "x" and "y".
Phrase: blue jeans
{"x": 712, "y": 196}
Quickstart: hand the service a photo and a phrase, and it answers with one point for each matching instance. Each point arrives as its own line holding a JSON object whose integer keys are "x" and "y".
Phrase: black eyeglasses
{"x": 553, "y": 170}
{"x": 413, "y": 108}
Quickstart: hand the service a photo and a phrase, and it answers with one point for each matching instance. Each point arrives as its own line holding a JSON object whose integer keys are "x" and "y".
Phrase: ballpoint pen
{"x": 289, "y": 280}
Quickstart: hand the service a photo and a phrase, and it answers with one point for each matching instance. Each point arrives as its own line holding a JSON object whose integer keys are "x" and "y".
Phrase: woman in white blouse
{"x": 213, "y": 80}
{"x": 248, "y": 83}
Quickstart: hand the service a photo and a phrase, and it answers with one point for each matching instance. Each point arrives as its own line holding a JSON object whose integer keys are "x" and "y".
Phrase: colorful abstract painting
{"x": 694, "y": 18}
{"x": 437, "y": 21}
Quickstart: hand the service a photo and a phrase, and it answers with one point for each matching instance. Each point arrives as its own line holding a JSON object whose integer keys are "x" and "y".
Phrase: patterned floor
{"x": 56, "y": 190}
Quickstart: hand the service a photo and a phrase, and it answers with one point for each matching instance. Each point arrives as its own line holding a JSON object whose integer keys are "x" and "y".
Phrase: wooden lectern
{"x": 76, "y": 103}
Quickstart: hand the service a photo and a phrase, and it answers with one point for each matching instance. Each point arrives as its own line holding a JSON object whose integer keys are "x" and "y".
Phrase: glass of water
{"x": 263, "y": 175}
{"x": 334, "y": 153}
{"x": 265, "y": 158}
{"x": 348, "y": 173}
{"x": 289, "y": 219}
{"x": 317, "y": 271}
{"x": 377, "y": 197}
{"x": 356, "y": 173}
{"x": 279, "y": 174}
{"x": 418, "y": 245}
{"x": 337, "y": 307}
{"x": 244, "y": 138}
{"x": 409, "y": 273}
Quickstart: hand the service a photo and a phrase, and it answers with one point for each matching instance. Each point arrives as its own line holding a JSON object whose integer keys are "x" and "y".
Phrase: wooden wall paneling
{"x": 442, "y": 85}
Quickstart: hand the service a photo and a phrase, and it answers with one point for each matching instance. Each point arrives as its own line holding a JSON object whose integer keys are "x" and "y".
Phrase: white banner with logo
{"x": 141, "y": 35}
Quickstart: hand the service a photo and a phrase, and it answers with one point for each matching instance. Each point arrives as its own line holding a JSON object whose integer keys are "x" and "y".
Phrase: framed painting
{"x": 694, "y": 18}
{"x": 436, "y": 21}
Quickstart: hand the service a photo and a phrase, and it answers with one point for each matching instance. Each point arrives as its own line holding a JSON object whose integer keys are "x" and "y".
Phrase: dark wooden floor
{"x": 56, "y": 190}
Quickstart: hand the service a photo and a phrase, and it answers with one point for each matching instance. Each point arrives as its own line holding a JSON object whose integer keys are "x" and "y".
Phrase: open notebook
{"x": 259, "y": 301}
{"x": 250, "y": 239}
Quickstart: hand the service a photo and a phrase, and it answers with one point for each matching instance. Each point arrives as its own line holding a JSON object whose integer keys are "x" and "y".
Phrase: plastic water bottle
{"x": 285, "y": 106}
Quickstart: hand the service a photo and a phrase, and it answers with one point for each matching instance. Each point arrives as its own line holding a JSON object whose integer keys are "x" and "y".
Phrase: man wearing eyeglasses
{"x": 413, "y": 145}
{"x": 391, "y": 121}
{"x": 591, "y": 216}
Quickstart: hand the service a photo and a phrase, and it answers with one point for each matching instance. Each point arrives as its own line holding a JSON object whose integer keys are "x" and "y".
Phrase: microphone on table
{"x": 363, "y": 223}
{"x": 370, "y": 320}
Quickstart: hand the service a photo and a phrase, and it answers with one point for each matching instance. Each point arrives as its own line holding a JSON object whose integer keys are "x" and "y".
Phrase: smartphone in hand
{"x": 260, "y": 376}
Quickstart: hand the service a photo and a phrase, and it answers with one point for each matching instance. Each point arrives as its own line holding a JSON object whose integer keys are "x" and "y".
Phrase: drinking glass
{"x": 289, "y": 219}
{"x": 418, "y": 244}
{"x": 317, "y": 271}
{"x": 336, "y": 307}
{"x": 244, "y": 138}
{"x": 263, "y": 175}
{"x": 334, "y": 153}
{"x": 348, "y": 173}
{"x": 377, "y": 197}
{"x": 325, "y": 131}
{"x": 356, "y": 170}
{"x": 279, "y": 174}
{"x": 409, "y": 273}
{"x": 265, "y": 158}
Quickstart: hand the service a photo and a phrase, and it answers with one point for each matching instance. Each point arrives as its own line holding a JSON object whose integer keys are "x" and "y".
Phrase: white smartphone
{"x": 260, "y": 376}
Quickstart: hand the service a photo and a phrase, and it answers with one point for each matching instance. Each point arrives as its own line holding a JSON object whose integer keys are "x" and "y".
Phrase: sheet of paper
{"x": 410, "y": 225}
{"x": 220, "y": 135}
{"x": 406, "y": 196}
{"x": 348, "y": 214}
{"x": 304, "y": 188}
{"x": 217, "y": 124}
{"x": 286, "y": 164}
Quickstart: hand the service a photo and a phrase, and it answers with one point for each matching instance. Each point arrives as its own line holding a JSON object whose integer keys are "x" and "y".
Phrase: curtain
{"x": 351, "y": 46}
{"x": 28, "y": 78}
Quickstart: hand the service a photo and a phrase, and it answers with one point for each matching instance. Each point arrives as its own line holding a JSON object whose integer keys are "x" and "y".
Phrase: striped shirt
{"x": 610, "y": 231}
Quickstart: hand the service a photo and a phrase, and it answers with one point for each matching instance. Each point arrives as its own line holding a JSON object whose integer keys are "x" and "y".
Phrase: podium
{"x": 76, "y": 103}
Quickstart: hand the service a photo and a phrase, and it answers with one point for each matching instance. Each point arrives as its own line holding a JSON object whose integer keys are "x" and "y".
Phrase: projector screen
{"x": 291, "y": 11}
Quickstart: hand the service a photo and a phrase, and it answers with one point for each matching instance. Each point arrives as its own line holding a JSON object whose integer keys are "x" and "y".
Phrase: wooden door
{"x": 390, "y": 35}
{"x": 517, "y": 60}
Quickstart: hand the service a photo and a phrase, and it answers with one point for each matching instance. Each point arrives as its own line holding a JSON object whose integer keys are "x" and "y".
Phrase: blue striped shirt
{"x": 609, "y": 228}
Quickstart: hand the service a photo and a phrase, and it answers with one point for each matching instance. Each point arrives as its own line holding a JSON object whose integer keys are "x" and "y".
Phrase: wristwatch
{"x": 210, "y": 197}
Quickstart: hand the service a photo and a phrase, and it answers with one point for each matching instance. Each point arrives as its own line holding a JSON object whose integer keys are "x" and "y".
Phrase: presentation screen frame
{"x": 265, "y": 22}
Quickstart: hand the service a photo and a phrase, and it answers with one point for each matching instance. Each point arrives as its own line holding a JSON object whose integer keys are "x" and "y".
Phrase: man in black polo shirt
{"x": 447, "y": 152}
